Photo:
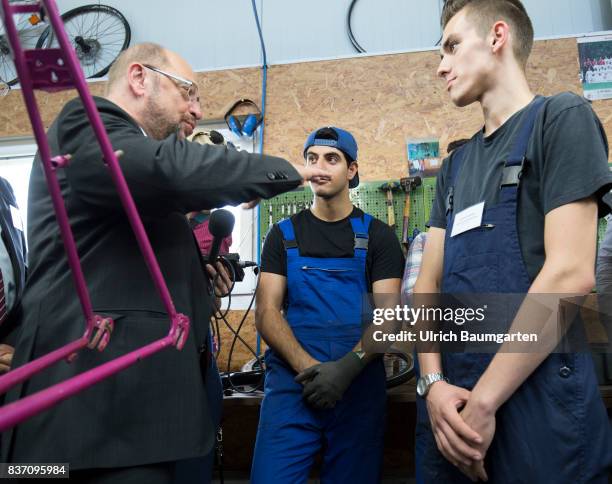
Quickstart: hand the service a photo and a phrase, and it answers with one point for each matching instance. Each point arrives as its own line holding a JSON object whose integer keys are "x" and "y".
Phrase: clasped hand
{"x": 463, "y": 429}
{"x": 325, "y": 383}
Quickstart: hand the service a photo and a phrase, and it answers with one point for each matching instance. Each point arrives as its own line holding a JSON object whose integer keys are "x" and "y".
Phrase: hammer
{"x": 389, "y": 188}
{"x": 408, "y": 184}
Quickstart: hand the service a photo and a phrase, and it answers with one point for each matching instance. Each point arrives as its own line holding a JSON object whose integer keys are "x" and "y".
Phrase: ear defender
{"x": 250, "y": 125}
{"x": 250, "y": 121}
{"x": 234, "y": 125}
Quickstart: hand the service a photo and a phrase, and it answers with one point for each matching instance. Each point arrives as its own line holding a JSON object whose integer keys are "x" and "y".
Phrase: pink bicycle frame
{"x": 53, "y": 70}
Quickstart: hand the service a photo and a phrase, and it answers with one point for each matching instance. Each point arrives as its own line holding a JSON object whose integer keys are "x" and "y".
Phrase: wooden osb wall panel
{"x": 383, "y": 100}
{"x": 241, "y": 354}
{"x": 14, "y": 119}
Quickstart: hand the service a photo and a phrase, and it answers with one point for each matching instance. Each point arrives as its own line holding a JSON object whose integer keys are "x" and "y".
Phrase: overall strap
{"x": 289, "y": 241}
{"x": 456, "y": 161}
{"x": 513, "y": 166}
{"x": 360, "y": 229}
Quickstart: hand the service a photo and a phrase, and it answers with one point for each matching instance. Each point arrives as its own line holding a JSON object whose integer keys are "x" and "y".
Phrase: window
{"x": 244, "y": 236}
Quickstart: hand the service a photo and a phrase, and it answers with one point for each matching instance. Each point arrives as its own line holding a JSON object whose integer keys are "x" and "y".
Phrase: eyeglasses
{"x": 190, "y": 88}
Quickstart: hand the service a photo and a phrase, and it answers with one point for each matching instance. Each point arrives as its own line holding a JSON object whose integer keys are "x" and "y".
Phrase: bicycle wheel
{"x": 399, "y": 368}
{"x": 29, "y": 29}
{"x": 98, "y": 33}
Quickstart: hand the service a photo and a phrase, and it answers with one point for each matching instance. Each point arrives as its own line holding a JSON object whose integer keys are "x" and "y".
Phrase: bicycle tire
{"x": 402, "y": 375}
{"x": 47, "y": 39}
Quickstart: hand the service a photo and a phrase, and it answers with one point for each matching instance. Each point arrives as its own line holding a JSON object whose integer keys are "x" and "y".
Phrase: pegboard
{"x": 369, "y": 198}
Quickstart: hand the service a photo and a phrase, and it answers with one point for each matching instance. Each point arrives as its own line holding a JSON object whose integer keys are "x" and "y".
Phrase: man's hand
{"x": 6, "y": 358}
{"x": 309, "y": 173}
{"x": 223, "y": 283}
{"x": 325, "y": 383}
{"x": 306, "y": 172}
{"x": 482, "y": 420}
{"x": 251, "y": 204}
{"x": 305, "y": 363}
{"x": 456, "y": 440}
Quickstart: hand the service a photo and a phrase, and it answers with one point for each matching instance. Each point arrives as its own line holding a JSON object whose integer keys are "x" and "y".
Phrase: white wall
{"x": 214, "y": 34}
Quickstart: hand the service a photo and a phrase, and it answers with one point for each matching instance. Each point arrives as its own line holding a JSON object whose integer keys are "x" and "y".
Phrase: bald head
{"x": 146, "y": 53}
{"x": 155, "y": 86}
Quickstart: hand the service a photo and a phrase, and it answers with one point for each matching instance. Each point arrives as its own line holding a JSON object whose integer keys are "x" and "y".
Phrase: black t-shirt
{"x": 317, "y": 238}
{"x": 567, "y": 160}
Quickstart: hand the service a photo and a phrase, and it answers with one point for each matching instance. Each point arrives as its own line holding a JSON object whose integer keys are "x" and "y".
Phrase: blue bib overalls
{"x": 324, "y": 309}
{"x": 554, "y": 428}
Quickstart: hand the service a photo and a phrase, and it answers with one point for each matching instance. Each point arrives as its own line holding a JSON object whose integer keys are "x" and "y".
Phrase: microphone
{"x": 220, "y": 225}
{"x": 216, "y": 137}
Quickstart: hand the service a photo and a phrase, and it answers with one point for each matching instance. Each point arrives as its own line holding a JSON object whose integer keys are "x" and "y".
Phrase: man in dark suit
{"x": 134, "y": 426}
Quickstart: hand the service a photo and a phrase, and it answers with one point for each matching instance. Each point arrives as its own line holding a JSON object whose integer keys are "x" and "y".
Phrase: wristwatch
{"x": 425, "y": 382}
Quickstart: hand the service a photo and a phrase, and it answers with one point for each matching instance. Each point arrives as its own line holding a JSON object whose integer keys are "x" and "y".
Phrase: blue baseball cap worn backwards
{"x": 340, "y": 139}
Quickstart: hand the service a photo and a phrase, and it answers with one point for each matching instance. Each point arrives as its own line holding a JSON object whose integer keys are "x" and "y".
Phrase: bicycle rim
{"x": 399, "y": 368}
{"x": 98, "y": 34}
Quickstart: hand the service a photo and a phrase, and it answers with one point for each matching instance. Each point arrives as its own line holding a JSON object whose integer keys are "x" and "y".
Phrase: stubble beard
{"x": 159, "y": 124}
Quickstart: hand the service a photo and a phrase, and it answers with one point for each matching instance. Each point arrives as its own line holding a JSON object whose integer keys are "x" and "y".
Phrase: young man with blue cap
{"x": 322, "y": 392}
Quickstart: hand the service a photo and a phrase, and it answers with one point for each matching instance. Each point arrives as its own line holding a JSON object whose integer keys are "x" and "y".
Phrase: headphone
{"x": 249, "y": 123}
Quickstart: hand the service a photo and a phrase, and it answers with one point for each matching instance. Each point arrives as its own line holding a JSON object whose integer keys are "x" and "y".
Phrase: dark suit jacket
{"x": 14, "y": 241}
{"x": 156, "y": 410}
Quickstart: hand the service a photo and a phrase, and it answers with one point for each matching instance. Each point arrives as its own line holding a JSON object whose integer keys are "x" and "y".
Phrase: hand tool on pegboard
{"x": 389, "y": 188}
{"x": 408, "y": 184}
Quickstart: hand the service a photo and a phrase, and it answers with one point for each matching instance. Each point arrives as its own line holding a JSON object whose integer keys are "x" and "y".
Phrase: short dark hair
{"x": 487, "y": 12}
{"x": 329, "y": 133}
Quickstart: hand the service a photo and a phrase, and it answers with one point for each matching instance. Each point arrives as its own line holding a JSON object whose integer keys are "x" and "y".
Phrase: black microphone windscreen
{"x": 216, "y": 137}
{"x": 221, "y": 223}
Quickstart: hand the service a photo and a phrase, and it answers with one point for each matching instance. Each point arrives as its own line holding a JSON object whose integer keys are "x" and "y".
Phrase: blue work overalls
{"x": 324, "y": 308}
{"x": 554, "y": 428}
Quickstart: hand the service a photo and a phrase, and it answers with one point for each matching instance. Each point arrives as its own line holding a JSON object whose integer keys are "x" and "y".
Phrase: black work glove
{"x": 325, "y": 383}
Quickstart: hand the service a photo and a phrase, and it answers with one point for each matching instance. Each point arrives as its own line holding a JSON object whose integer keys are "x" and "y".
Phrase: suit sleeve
{"x": 168, "y": 175}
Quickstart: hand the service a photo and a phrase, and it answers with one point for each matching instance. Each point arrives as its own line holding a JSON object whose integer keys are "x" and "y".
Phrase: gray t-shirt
{"x": 567, "y": 161}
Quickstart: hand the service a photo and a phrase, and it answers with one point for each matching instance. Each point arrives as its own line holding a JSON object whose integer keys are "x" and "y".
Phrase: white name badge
{"x": 468, "y": 219}
{"x": 17, "y": 223}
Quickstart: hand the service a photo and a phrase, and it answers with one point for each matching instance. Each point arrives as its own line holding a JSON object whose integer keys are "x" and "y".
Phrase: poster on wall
{"x": 595, "y": 55}
{"x": 423, "y": 157}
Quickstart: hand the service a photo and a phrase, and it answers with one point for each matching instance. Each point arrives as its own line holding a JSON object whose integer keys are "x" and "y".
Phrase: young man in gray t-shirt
{"x": 533, "y": 179}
